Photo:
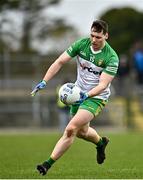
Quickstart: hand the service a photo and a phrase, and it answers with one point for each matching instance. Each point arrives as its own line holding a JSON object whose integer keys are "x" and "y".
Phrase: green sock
{"x": 100, "y": 142}
{"x": 50, "y": 161}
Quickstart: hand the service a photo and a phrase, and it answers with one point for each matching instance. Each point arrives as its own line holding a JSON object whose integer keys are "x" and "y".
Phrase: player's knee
{"x": 71, "y": 131}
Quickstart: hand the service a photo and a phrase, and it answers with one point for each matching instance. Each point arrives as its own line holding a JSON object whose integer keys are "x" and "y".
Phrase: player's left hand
{"x": 83, "y": 96}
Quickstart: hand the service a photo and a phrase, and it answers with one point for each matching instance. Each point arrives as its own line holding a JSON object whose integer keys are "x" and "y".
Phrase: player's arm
{"x": 104, "y": 81}
{"x": 71, "y": 52}
{"x": 56, "y": 66}
{"x": 52, "y": 71}
{"x": 106, "y": 76}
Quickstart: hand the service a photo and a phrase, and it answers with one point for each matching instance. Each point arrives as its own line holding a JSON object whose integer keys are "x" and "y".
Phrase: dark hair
{"x": 99, "y": 26}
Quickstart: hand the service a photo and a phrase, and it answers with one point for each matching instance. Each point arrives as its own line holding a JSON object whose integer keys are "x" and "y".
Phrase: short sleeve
{"x": 74, "y": 48}
{"x": 112, "y": 66}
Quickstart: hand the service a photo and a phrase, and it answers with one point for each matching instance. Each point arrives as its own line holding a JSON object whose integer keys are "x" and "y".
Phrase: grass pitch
{"x": 19, "y": 154}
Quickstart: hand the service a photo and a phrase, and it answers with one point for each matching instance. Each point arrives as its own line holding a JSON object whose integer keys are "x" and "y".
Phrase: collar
{"x": 95, "y": 52}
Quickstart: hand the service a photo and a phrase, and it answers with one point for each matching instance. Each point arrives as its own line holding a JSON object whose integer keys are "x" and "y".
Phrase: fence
{"x": 19, "y": 73}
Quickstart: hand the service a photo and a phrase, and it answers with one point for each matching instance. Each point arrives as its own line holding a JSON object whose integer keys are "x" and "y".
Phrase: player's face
{"x": 98, "y": 39}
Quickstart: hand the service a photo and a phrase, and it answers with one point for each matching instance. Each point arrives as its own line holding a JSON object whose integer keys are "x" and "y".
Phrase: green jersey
{"x": 90, "y": 64}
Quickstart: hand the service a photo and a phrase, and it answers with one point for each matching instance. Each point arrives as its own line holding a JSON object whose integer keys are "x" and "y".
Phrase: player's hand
{"x": 39, "y": 86}
{"x": 83, "y": 96}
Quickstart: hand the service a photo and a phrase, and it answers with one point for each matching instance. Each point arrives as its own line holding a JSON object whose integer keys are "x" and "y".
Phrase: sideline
{"x": 26, "y": 131}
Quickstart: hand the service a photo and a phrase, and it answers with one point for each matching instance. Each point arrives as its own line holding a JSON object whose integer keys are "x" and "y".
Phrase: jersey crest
{"x": 100, "y": 62}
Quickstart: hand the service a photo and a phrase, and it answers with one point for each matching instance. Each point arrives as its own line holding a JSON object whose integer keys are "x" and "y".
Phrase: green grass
{"x": 19, "y": 155}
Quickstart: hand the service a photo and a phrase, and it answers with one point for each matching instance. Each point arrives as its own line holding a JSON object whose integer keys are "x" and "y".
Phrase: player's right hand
{"x": 39, "y": 86}
{"x": 83, "y": 96}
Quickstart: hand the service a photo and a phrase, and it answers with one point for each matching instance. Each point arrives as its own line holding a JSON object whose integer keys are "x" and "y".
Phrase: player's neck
{"x": 99, "y": 48}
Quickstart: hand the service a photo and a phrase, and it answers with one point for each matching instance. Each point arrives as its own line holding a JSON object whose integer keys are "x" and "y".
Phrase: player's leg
{"x": 87, "y": 133}
{"x": 81, "y": 118}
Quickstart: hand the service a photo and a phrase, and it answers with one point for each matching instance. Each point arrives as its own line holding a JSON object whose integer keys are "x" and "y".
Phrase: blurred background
{"x": 34, "y": 33}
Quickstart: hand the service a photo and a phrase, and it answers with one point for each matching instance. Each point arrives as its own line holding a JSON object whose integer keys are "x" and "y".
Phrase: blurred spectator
{"x": 123, "y": 73}
{"x": 63, "y": 111}
{"x": 138, "y": 61}
{"x": 123, "y": 66}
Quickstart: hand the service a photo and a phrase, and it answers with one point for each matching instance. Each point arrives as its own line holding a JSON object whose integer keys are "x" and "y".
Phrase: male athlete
{"x": 97, "y": 64}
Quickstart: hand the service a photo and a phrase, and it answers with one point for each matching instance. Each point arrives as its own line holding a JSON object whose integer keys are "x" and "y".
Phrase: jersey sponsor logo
{"x": 89, "y": 69}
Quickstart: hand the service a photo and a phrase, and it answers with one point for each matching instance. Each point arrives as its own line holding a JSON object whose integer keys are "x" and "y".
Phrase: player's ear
{"x": 106, "y": 36}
